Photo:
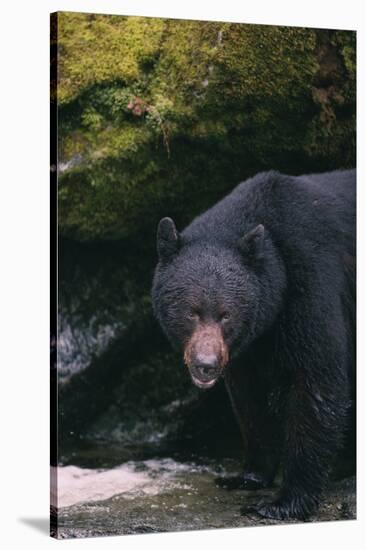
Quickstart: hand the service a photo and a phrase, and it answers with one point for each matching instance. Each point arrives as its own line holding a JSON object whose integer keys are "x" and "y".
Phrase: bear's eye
{"x": 225, "y": 317}
{"x": 193, "y": 315}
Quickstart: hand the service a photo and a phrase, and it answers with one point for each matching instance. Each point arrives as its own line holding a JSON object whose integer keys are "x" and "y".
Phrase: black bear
{"x": 260, "y": 290}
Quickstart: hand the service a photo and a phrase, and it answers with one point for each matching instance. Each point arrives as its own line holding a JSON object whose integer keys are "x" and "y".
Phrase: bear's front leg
{"x": 257, "y": 413}
{"x": 314, "y": 353}
{"x": 315, "y": 426}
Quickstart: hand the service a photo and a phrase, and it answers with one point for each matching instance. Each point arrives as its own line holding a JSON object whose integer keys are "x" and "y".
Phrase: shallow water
{"x": 130, "y": 480}
{"x": 164, "y": 494}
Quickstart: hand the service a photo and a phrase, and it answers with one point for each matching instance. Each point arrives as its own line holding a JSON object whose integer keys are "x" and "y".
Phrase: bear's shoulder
{"x": 284, "y": 204}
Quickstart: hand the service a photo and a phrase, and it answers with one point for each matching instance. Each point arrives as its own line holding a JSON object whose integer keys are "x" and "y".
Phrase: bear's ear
{"x": 168, "y": 239}
{"x": 251, "y": 245}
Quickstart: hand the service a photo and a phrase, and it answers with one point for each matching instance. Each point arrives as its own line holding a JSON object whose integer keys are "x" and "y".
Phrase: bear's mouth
{"x": 204, "y": 385}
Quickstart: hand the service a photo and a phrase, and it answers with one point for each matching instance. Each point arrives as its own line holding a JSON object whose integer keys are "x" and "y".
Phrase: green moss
{"x": 99, "y": 48}
{"x": 165, "y": 116}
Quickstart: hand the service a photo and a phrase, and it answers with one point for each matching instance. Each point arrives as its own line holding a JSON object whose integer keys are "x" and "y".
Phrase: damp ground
{"x": 166, "y": 494}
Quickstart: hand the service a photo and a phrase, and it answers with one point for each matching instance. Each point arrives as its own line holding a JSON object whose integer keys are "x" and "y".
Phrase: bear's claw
{"x": 299, "y": 508}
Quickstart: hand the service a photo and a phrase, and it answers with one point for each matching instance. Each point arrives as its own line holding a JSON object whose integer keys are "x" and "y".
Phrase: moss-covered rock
{"x": 165, "y": 116}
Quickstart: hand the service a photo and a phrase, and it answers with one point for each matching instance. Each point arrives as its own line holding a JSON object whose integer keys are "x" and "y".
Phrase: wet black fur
{"x": 289, "y": 288}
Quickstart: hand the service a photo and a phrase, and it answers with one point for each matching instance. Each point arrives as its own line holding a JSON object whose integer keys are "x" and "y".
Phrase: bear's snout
{"x": 205, "y": 369}
{"x": 206, "y": 355}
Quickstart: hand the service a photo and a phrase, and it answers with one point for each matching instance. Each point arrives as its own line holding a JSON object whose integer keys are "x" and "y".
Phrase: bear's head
{"x": 212, "y": 300}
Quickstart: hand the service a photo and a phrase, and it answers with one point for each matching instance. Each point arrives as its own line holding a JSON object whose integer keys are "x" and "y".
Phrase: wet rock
{"x": 119, "y": 381}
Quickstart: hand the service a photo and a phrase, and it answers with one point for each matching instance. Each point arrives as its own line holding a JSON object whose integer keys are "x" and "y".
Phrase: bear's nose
{"x": 206, "y": 366}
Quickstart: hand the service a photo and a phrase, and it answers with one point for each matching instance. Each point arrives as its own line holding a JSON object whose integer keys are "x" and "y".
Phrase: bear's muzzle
{"x": 206, "y": 355}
